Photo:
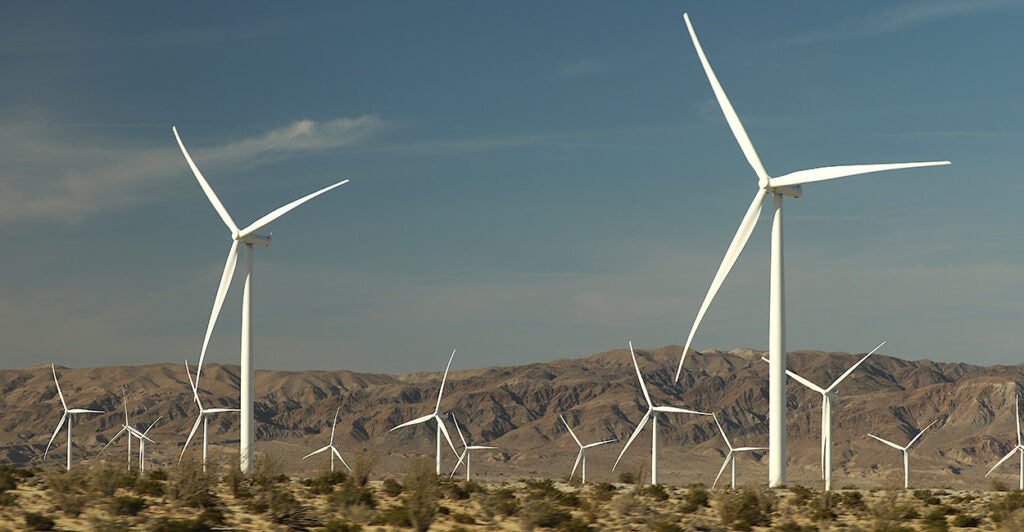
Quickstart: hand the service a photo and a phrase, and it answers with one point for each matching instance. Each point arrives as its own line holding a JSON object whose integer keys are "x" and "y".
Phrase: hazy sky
{"x": 529, "y": 181}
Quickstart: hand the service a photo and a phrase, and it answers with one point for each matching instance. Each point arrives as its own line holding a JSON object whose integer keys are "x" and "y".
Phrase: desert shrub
{"x": 127, "y": 505}
{"x": 157, "y": 474}
{"x": 394, "y": 516}
{"x": 603, "y": 491}
{"x": 266, "y": 473}
{"x": 8, "y": 499}
{"x": 695, "y": 498}
{"x": 453, "y": 489}
{"x": 927, "y": 497}
{"x": 38, "y": 521}
{"x": 889, "y": 515}
{"x": 627, "y": 477}
{"x": 422, "y": 493}
{"x": 463, "y": 518}
{"x": 1002, "y": 509}
{"x": 68, "y": 490}
{"x": 337, "y": 525}
{"x": 543, "y": 514}
{"x": 107, "y": 479}
{"x": 966, "y": 521}
{"x": 626, "y": 504}
{"x": 792, "y": 526}
{"x": 999, "y": 485}
{"x": 663, "y": 526}
{"x": 655, "y": 491}
{"x": 236, "y": 482}
{"x": 204, "y": 522}
{"x": 284, "y": 509}
{"x": 746, "y": 509}
{"x": 853, "y": 500}
{"x": 501, "y": 501}
{"x": 149, "y": 486}
{"x": 801, "y": 494}
{"x": 11, "y": 476}
{"x": 362, "y": 466}
{"x": 545, "y": 490}
{"x": 324, "y": 482}
{"x": 392, "y": 487}
{"x": 935, "y": 521}
{"x": 822, "y": 508}
{"x": 191, "y": 486}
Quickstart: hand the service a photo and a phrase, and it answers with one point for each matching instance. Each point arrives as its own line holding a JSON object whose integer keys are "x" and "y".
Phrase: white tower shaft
{"x": 69, "y": 441}
{"x": 248, "y": 371}
{"x": 776, "y": 355}
{"x": 654, "y": 448}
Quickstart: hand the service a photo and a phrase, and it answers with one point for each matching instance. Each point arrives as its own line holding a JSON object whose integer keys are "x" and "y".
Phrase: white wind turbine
{"x": 652, "y": 414}
{"x": 68, "y": 414}
{"x": 131, "y": 431}
{"x": 827, "y": 394}
{"x": 581, "y": 458}
{"x": 143, "y": 438}
{"x": 249, "y": 238}
{"x": 466, "y": 450}
{"x": 204, "y": 417}
{"x": 330, "y": 446}
{"x": 1019, "y": 448}
{"x": 905, "y": 451}
{"x": 731, "y": 457}
{"x": 436, "y": 416}
{"x": 777, "y": 188}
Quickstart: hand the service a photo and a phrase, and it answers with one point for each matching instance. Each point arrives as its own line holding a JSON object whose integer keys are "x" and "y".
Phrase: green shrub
{"x": 501, "y": 501}
{"x": 192, "y": 487}
{"x": 604, "y": 491}
{"x": 392, "y": 488}
{"x": 324, "y": 482}
{"x": 966, "y": 521}
{"x": 853, "y": 500}
{"x": 149, "y": 486}
{"x": 422, "y": 493}
{"x": 543, "y": 514}
{"x": 157, "y": 474}
{"x": 627, "y": 477}
{"x": 337, "y": 525}
{"x": 1002, "y": 510}
{"x": 935, "y": 521}
{"x": 801, "y": 494}
{"x": 792, "y": 526}
{"x": 37, "y": 521}
{"x": 109, "y": 478}
{"x": 349, "y": 495}
{"x": 655, "y": 491}
{"x": 68, "y": 490}
{"x": 128, "y": 505}
{"x": 746, "y": 509}
{"x": 822, "y": 508}
{"x": 694, "y": 499}
{"x": 463, "y": 518}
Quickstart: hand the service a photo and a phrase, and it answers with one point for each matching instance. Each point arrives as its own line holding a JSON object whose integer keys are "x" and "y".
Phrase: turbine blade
{"x": 745, "y": 449}
{"x": 124, "y": 400}
{"x": 334, "y": 424}
{"x": 639, "y": 427}
{"x": 571, "y": 433}
{"x": 457, "y": 429}
{"x": 639, "y": 376}
{"x": 60, "y": 425}
{"x": 919, "y": 434}
{"x": 318, "y": 451}
{"x": 444, "y": 430}
{"x": 887, "y": 442}
{"x": 440, "y": 392}
{"x": 459, "y": 462}
{"x": 1003, "y": 459}
{"x": 853, "y": 367}
{"x": 595, "y": 444}
{"x": 1016, "y": 410}
{"x": 482, "y": 447}
{"x": 218, "y": 302}
{"x": 192, "y": 384}
{"x": 84, "y": 411}
{"x": 802, "y": 177}
{"x": 151, "y": 425}
{"x": 60, "y": 393}
{"x": 221, "y": 410}
{"x": 721, "y": 470}
{"x": 195, "y": 427}
{"x": 210, "y": 195}
{"x": 730, "y": 114}
{"x": 804, "y": 381}
{"x": 720, "y": 429}
{"x": 579, "y": 457}
{"x": 739, "y": 240}
{"x": 277, "y": 213}
{"x": 112, "y": 439}
{"x": 336, "y": 453}
{"x": 676, "y": 410}
{"x": 416, "y": 421}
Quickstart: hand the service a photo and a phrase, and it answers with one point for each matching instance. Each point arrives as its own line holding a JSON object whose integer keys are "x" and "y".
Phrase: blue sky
{"x": 528, "y": 181}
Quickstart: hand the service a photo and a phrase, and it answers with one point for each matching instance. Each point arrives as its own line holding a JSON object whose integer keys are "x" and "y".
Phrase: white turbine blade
{"x": 336, "y": 453}
{"x": 218, "y": 302}
{"x": 722, "y": 469}
{"x": 192, "y": 384}
{"x": 739, "y": 240}
{"x": 643, "y": 386}
{"x": 639, "y": 427}
{"x": 579, "y": 457}
{"x": 217, "y": 205}
{"x": 60, "y": 393}
{"x": 676, "y": 410}
{"x": 1005, "y": 458}
{"x": 457, "y": 429}
{"x": 195, "y": 427}
{"x": 60, "y": 425}
{"x": 804, "y": 381}
{"x": 85, "y": 411}
{"x": 334, "y": 424}
{"x": 416, "y": 421}
{"x": 595, "y": 444}
{"x": 147, "y": 438}
{"x": 853, "y": 367}
{"x": 444, "y": 430}
{"x": 482, "y": 447}
{"x": 1016, "y": 410}
{"x": 277, "y": 213}
{"x": 151, "y": 425}
{"x": 124, "y": 400}
{"x": 460, "y": 461}
{"x": 221, "y": 410}
{"x": 724, "y": 437}
{"x": 745, "y": 449}
{"x": 571, "y": 433}
{"x": 887, "y": 442}
{"x": 440, "y": 391}
{"x": 112, "y": 439}
{"x": 133, "y": 432}
{"x": 802, "y": 177}
{"x": 730, "y": 114}
{"x": 919, "y": 434}
{"x": 318, "y": 451}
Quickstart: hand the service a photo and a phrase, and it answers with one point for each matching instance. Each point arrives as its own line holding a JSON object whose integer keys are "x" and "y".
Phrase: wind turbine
{"x": 466, "y": 450}
{"x": 777, "y": 187}
{"x": 731, "y": 457}
{"x": 1019, "y": 448}
{"x": 68, "y": 413}
{"x": 435, "y": 415}
{"x": 330, "y": 446}
{"x": 582, "y": 456}
{"x": 905, "y": 451}
{"x": 652, "y": 414}
{"x": 249, "y": 238}
{"x": 131, "y": 431}
{"x": 827, "y": 394}
{"x": 204, "y": 415}
{"x": 143, "y": 438}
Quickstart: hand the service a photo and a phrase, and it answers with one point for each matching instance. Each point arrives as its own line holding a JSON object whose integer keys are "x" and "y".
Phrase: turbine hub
{"x": 792, "y": 191}
{"x": 258, "y": 240}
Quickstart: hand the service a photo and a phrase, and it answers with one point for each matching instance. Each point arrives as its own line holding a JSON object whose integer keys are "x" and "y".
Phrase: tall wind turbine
{"x": 467, "y": 450}
{"x": 652, "y": 415}
{"x": 777, "y": 188}
{"x": 249, "y": 238}
{"x": 204, "y": 417}
{"x": 143, "y": 438}
{"x": 436, "y": 416}
{"x": 131, "y": 431}
{"x": 731, "y": 457}
{"x": 68, "y": 415}
{"x": 582, "y": 456}
{"x": 905, "y": 451}
{"x": 330, "y": 446}
{"x": 1019, "y": 448}
{"x": 827, "y": 394}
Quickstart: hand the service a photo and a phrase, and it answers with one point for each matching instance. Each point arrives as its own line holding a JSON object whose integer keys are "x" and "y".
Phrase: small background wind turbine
{"x": 652, "y": 415}
{"x": 143, "y": 438}
{"x": 436, "y": 415}
{"x": 905, "y": 451}
{"x": 731, "y": 456}
{"x": 249, "y": 238}
{"x": 1019, "y": 448}
{"x": 127, "y": 428}
{"x": 466, "y": 450}
{"x": 330, "y": 446}
{"x": 581, "y": 458}
{"x": 777, "y": 188}
{"x": 69, "y": 414}
{"x": 203, "y": 417}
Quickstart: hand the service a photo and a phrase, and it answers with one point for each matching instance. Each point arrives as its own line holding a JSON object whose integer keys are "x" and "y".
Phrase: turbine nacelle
{"x": 791, "y": 191}
{"x": 254, "y": 239}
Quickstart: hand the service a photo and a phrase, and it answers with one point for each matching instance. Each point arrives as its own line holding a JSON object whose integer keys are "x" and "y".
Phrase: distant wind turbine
{"x": 203, "y": 417}
{"x": 1019, "y": 448}
{"x": 466, "y": 450}
{"x": 652, "y": 415}
{"x": 68, "y": 415}
{"x": 143, "y": 438}
{"x": 330, "y": 446}
{"x": 436, "y": 416}
{"x": 131, "y": 431}
{"x": 731, "y": 456}
{"x": 249, "y": 238}
{"x": 905, "y": 451}
{"x": 581, "y": 458}
{"x": 777, "y": 188}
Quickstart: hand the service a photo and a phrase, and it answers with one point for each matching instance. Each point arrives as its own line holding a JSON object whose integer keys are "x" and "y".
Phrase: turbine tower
{"x": 827, "y": 394}
{"x": 68, "y": 414}
{"x": 466, "y": 450}
{"x": 204, "y": 416}
{"x": 582, "y": 456}
{"x": 330, "y": 446}
{"x": 905, "y": 451}
{"x": 436, "y": 415}
{"x": 249, "y": 238}
{"x": 1019, "y": 448}
{"x": 131, "y": 431}
{"x": 731, "y": 457}
{"x": 777, "y": 188}
{"x": 652, "y": 415}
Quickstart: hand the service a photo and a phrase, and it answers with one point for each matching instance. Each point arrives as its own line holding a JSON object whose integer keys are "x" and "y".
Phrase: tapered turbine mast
{"x": 905, "y": 451}
{"x": 436, "y": 416}
{"x": 203, "y": 417}
{"x": 467, "y": 450}
{"x": 652, "y": 415}
{"x": 776, "y": 188}
{"x": 1018, "y": 449}
{"x": 68, "y": 416}
{"x": 730, "y": 458}
{"x": 249, "y": 238}
{"x": 330, "y": 446}
{"x": 581, "y": 458}
{"x": 132, "y": 432}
